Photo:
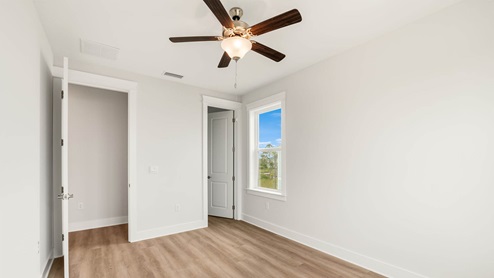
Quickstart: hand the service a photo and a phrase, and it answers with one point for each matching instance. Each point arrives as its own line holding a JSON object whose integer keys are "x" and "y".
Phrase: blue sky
{"x": 270, "y": 128}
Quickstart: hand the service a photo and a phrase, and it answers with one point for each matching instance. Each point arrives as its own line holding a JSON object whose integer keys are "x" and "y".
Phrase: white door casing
{"x": 220, "y": 164}
{"x": 130, "y": 88}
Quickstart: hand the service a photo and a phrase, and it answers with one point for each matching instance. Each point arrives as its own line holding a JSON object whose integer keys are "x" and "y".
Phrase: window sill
{"x": 266, "y": 194}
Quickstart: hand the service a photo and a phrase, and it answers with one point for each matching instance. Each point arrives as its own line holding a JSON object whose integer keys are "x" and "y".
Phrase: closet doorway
{"x": 89, "y": 170}
{"x": 222, "y": 167}
{"x": 98, "y": 152}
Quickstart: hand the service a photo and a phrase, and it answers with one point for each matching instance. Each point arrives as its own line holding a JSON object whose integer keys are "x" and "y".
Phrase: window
{"x": 266, "y": 158}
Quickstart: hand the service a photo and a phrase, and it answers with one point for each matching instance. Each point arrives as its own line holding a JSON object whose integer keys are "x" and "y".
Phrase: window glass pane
{"x": 268, "y": 169}
{"x": 270, "y": 129}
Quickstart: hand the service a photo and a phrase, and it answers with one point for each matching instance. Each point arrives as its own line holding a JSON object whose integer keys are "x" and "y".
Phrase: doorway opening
{"x": 98, "y": 158}
{"x": 98, "y": 169}
{"x": 62, "y": 170}
{"x": 222, "y": 161}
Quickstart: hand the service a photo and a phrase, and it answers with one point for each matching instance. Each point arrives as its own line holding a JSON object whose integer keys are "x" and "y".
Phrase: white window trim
{"x": 253, "y": 109}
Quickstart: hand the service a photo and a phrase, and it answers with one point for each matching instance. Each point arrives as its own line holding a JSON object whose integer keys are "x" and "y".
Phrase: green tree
{"x": 268, "y": 164}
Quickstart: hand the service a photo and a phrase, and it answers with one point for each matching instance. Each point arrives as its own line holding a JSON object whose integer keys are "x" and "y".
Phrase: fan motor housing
{"x": 240, "y": 27}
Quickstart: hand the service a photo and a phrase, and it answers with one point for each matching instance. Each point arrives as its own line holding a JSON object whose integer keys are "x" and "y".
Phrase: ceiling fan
{"x": 236, "y": 39}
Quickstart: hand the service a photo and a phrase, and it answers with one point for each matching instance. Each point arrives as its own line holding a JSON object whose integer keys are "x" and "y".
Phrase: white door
{"x": 220, "y": 164}
{"x": 65, "y": 196}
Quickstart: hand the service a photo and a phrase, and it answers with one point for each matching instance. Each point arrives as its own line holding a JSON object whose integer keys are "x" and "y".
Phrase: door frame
{"x": 131, "y": 89}
{"x": 237, "y": 157}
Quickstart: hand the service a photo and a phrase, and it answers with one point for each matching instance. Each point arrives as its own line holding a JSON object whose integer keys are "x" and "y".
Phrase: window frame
{"x": 254, "y": 109}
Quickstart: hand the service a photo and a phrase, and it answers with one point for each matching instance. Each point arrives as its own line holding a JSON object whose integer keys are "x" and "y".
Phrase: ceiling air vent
{"x": 99, "y": 50}
{"x": 174, "y": 75}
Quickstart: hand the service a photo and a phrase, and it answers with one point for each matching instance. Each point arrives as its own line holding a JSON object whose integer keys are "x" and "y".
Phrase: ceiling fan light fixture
{"x": 236, "y": 47}
{"x": 236, "y": 33}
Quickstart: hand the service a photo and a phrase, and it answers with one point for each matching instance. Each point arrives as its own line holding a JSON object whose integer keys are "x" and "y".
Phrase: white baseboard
{"x": 48, "y": 265}
{"x": 165, "y": 231}
{"x": 372, "y": 264}
{"x": 98, "y": 223}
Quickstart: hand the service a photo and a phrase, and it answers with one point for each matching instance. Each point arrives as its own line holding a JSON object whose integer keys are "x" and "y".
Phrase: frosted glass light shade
{"x": 236, "y": 47}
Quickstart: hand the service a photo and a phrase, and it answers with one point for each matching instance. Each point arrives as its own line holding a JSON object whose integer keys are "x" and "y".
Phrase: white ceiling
{"x": 140, "y": 29}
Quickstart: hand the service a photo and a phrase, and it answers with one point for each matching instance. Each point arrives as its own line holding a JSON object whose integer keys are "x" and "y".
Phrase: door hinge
{"x": 63, "y": 237}
{"x": 62, "y": 94}
{"x": 233, "y": 149}
{"x": 233, "y": 178}
{"x": 129, "y": 185}
{"x": 234, "y": 120}
{"x": 62, "y": 142}
{"x": 62, "y": 189}
{"x": 233, "y": 207}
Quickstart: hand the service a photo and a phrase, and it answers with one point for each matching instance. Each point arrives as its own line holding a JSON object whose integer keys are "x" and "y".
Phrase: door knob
{"x": 209, "y": 177}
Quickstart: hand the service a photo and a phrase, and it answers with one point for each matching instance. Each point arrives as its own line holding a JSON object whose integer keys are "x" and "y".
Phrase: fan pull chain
{"x": 236, "y": 66}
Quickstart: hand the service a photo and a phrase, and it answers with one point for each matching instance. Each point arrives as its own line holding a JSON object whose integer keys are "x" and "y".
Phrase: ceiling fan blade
{"x": 225, "y": 60}
{"x": 219, "y": 11}
{"x": 267, "y": 51}
{"x": 277, "y": 22}
{"x": 195, "y": 39}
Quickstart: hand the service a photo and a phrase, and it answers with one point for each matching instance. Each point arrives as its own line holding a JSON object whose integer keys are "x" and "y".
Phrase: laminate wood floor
{"x": 227, "y": 248}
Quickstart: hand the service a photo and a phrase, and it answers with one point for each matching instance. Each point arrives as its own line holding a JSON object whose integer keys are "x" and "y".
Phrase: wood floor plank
{"x": 227, "y": 248}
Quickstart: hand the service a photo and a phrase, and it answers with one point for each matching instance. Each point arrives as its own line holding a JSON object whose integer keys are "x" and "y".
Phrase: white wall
{"x": 26, "y": 62}
{"x": 389, "y": 150}
{"x": 46, "y": 155}
{"x": 98, "y": 157}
